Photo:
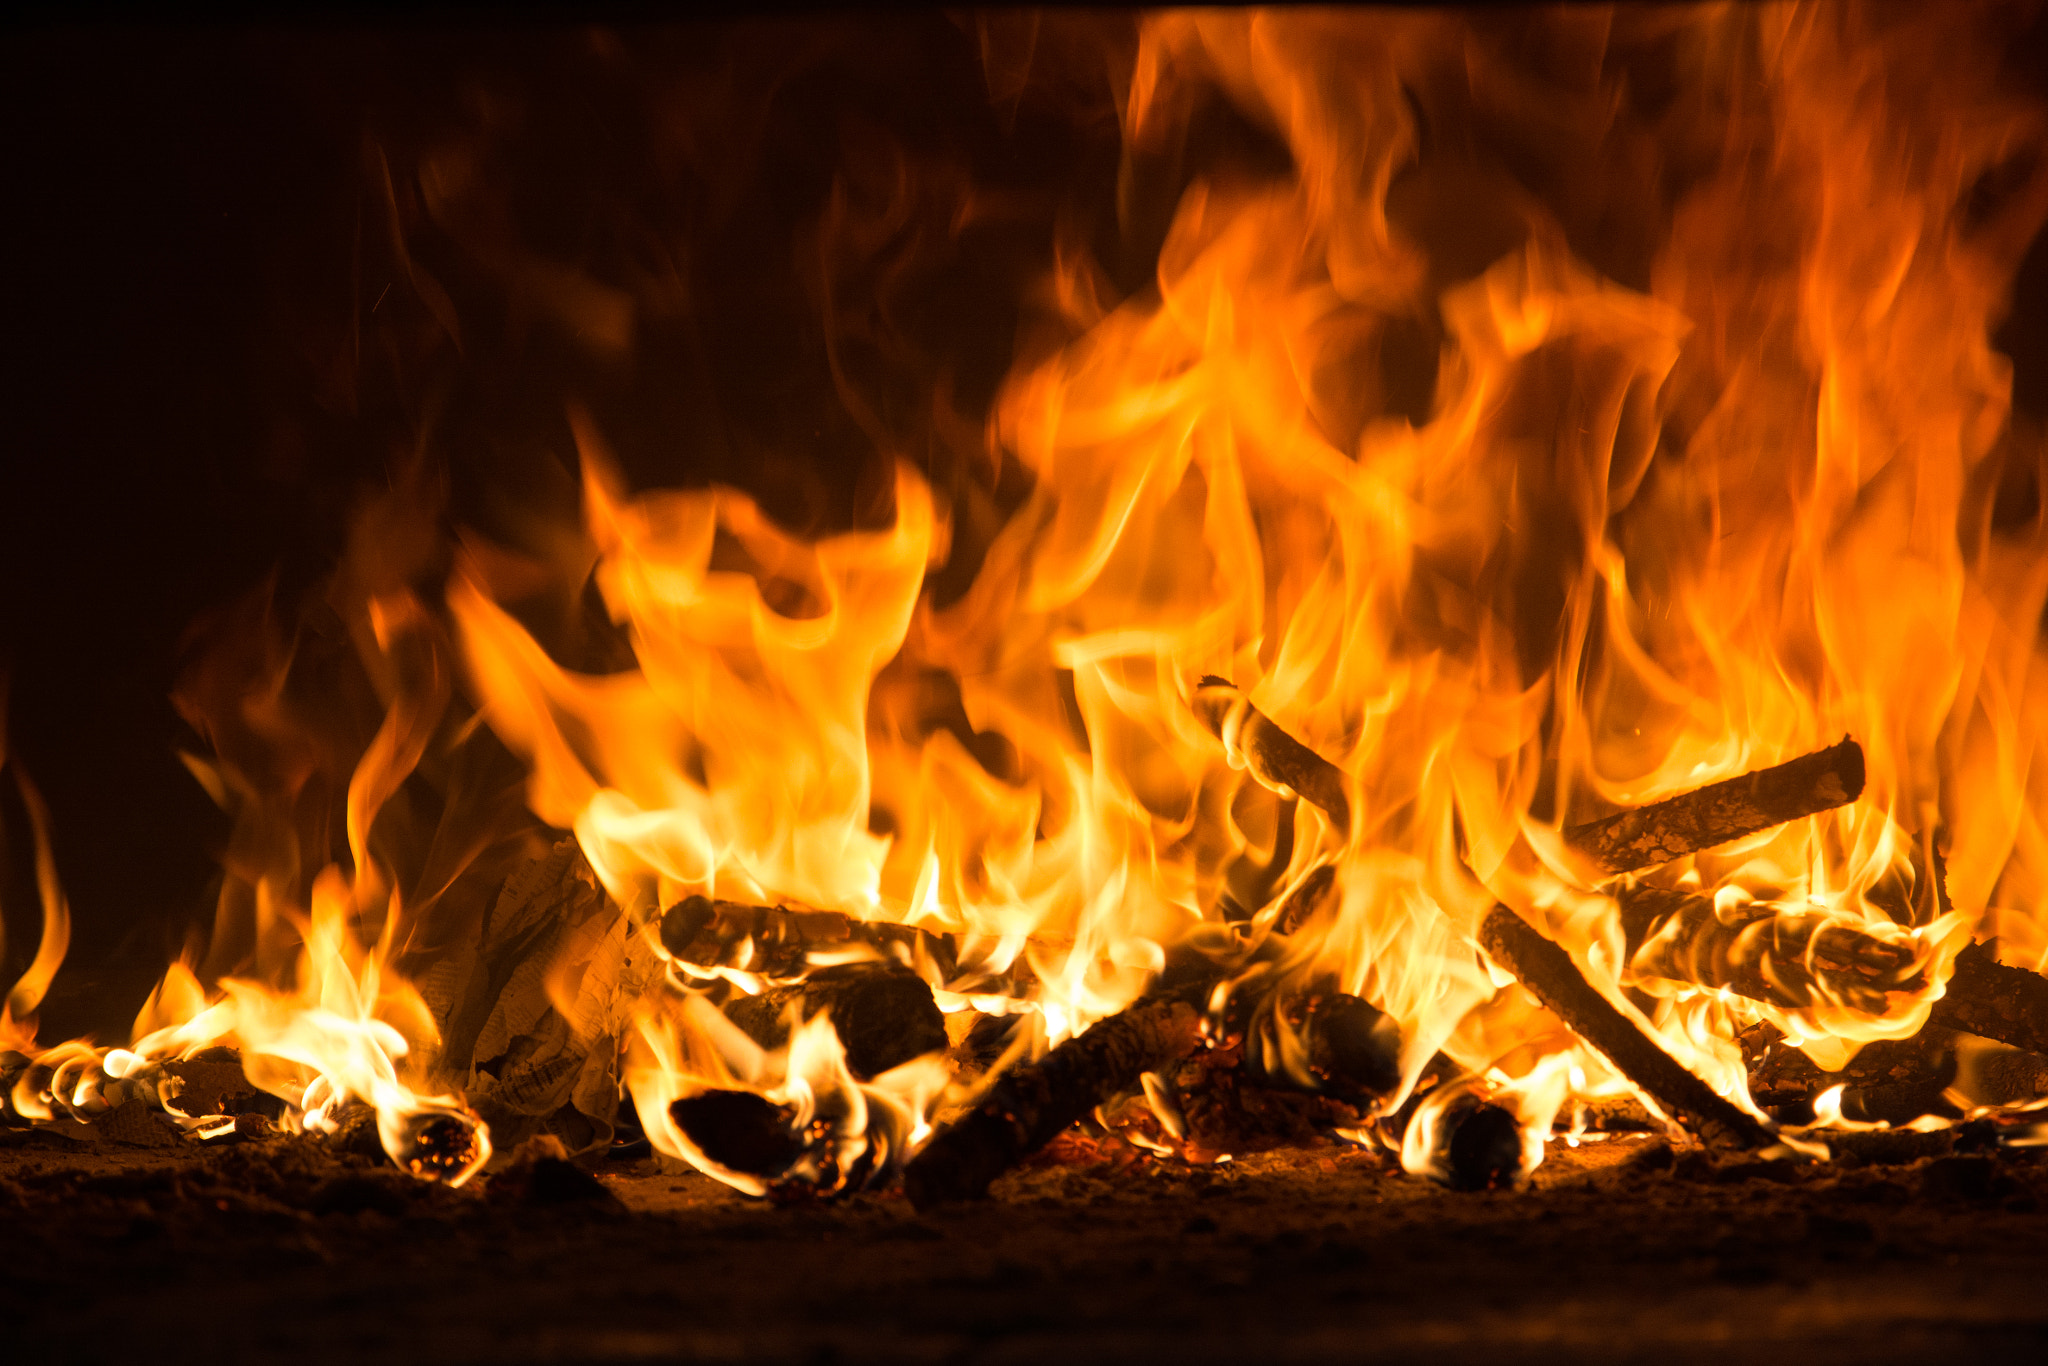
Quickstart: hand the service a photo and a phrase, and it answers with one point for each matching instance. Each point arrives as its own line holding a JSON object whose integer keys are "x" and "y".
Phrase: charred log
{"x": 1551, "y": 976}
{"x": 1349, "y": 1048}
{"x": 777, "y": 941}
{"x": 1785, "y": 957}
{"x": 1987, "y": 998}
{"x": 1269, "y": 753}
{"x": 1034, "y": 1102}
{"x": 1480, "y": 1146}
{"x": 884, "y": 1015}
{"x": 1892, "y": 1080}
{"x": 1721, "y": 812}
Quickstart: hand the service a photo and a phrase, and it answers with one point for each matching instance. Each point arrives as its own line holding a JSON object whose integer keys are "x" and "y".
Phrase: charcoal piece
{"x": 884, "y": 1015}
{"x": 1481, "y": 1146}
{"x": 1551, "y": 976}
{"x": 1033, "y": 1102}
{"x": 1271, "y": 755}
{"x": 212, "y": 1082}
{"x": 740, "y": 1131}
{"x": 1723, "y": 811}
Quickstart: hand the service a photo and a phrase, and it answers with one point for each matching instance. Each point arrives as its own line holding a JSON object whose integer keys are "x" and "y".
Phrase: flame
{"x": 1715, "y": 464}
{"x": 1646, "y": 533}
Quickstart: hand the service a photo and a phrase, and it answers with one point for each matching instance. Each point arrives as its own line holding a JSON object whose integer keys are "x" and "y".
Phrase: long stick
{"x": 1723, "y": 811}
{"x": 1549, "y": 973}
{"x": 1029, "y": 1106}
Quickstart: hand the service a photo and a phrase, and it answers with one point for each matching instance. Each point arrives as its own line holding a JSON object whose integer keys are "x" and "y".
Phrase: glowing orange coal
{"x": 1673, "y": 511}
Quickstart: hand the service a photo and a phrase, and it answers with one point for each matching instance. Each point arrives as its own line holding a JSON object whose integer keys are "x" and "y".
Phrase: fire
{"x": 1672, "y": 510}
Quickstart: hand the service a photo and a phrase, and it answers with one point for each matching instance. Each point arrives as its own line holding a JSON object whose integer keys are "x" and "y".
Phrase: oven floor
{"x": 282, "y": 1251}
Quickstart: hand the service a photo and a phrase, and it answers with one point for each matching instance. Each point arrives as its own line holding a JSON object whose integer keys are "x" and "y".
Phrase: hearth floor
{"x": 280, "y": 1250}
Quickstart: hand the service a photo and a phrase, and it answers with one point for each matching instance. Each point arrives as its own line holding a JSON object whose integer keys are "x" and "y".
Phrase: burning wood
{"x": 884, "y": 1015}
{"x": 1033, "y": 1102}
{"x": 1554, "y": 979}
{"x": 1269, "y": 753}
{"x": 1786, "y": 956}
{"x": 1722, "y": 812}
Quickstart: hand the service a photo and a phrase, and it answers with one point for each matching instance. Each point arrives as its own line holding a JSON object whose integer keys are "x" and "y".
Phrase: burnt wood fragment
{"x": 1481, "y": 1145}
{"x": 1269, "y": 753}
{"x": 884, "y": 1015}
{"x": 740, "y": 1131}
{"x": 1551, "y": 976}
{"x": 1033, "y": 1102}
{"x": 1723, "y": 811}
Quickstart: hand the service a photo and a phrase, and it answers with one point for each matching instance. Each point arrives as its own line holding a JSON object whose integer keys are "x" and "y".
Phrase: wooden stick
{"x": 1550, "y": 974}
{"x": 1033, "y": 1102}
{"x": 1722, "y": 811}
{"x": 1271, "y": 755}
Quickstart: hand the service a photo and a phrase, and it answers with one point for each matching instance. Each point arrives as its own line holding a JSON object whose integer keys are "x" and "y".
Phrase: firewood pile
{"x": 1197, "y": 1069}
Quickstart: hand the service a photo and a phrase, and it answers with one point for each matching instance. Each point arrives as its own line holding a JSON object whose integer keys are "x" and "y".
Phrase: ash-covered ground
{"x": 280, "y": 1249}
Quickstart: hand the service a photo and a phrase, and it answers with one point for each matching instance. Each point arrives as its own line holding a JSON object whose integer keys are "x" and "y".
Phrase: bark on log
{"x": 1722, "y": 811}
{"x": 1989, "y": 999}
{"x": 1549, "y": 973}
{"x": 1784, "y": 957}
{"x": 1032, "y": 1103}
{"x": 1271, "y": 755}
{"x": 884, "y": 1015}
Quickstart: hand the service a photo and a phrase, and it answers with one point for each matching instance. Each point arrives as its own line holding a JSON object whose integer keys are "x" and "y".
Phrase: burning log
{"x": 1892, "y": 1080}
{"x": 1782, "y": 956}
{"x": 1271, "y": 755}
{"x": 884, "y": 1015}
{"x": 1032, "y": 1103}
{"x": 1351, "y": 1049}
{"x": 777, "y": 942}
{"x": 1550, "y": 974}
{"x": 1722, "y": 811}
{"x": 1991, "y": 1000}
{"x": 1478, "y": 1146}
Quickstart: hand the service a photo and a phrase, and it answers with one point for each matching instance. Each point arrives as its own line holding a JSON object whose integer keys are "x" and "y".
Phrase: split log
{"x": 1033, "y": 1102}
{"x": 1723, "y": 811}
{"x": 884, "y": 1014}
{"x": 1783, "y": 956}
{"x": 1551, "y": 976}
{"x": 1269, "y": 753}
